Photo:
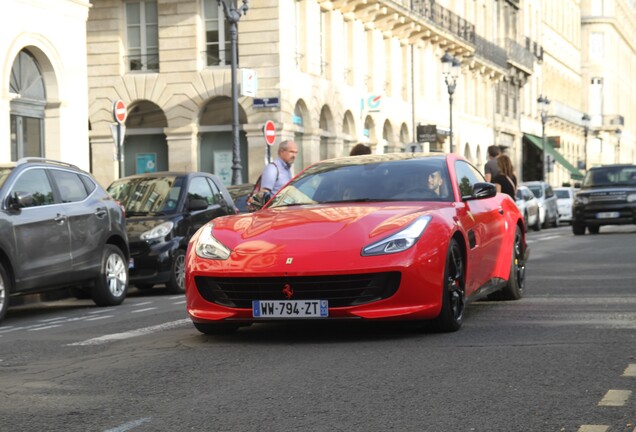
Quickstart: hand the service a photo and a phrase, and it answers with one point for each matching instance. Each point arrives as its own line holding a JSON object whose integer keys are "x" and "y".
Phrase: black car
{"x": 163, "y": 210}
{"x": 239, "y": 194}
{"x": 607, "y": 197}
{"x": 58, "y": 229}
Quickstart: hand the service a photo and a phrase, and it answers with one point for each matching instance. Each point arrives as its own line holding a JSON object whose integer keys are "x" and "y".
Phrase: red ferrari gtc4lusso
{"x": 379, "y": 237}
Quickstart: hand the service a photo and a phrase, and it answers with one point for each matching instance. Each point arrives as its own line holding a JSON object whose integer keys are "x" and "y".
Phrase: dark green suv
{"x": 59, "y": 228}
{"x": 607, "y": 197}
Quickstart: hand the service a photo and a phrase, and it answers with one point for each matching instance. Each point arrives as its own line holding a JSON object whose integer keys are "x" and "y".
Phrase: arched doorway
{"x": 28, "y": 105}
{"x": 326, "y": 132}
{"x": 145, "y": 146}
{"x": 299, "y": 120}
{"x": 348, "y": 132}
{"x": 216, "y": 145}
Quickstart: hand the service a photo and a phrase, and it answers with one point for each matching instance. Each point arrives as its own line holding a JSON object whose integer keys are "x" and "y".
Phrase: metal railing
{"x": 491, "y": 52}
{"x": 445, "y": 19}
{"x": 143, "y": 62}
{"x": 519, "y": 54}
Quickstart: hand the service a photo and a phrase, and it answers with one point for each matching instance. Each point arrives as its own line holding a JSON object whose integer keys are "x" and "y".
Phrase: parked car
{"x": 239, "y": 194}
{"x": 565, "y": 199}
{"x": 529, "y": 207}
{"x": 163, "y": 210}
{"x": 362, "y": 237}
{"x": 607, "y": 197}
{"x": 59, "y": 228}
{"x": 548, "y": 208}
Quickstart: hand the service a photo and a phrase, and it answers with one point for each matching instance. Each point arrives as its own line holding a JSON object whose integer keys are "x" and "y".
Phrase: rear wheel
{"x": 594, "y": 229}
{"x": 537, "y": 223}
{"x": 517, "y": 279}
{"x": 215, "y": 328}
{"x": 451, "y": 316}
{"x": 111, "y": 285}
{"x": 578, "y": 229}
{"x": 176, "y": 284}
{"x": 5, "y": 290}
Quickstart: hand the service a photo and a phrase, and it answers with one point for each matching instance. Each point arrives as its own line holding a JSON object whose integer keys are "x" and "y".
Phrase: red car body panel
{"x": 314, "y": 240}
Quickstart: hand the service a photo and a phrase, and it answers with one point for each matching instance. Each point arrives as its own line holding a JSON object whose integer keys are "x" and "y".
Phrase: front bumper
{"x": 151, "y": 261}
{"x": 605, "y": 214}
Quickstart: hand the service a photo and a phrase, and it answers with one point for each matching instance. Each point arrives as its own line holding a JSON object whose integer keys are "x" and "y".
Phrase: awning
{"x": 575, "y": 174}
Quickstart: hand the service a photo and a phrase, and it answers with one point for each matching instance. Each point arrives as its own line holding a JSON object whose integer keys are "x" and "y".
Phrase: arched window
{"x": 26, "y": 87}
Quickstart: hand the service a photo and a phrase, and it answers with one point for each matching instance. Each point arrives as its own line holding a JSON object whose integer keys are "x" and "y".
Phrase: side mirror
{"x": 197, "y": 204}
{"x": 481, "y": 191}
{"x": 20, "y": 199}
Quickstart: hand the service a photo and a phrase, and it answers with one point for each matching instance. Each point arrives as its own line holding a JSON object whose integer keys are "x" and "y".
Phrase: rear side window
{"x": 36, "y": 183}
{"x": 70, "y": 185}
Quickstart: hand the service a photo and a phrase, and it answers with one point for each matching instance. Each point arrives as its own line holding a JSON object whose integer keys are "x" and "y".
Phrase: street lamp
{"x": 619, "y": 133}
{"x": 233, "y": 15}
{"x": 543, "y": 110}
{"x": 586, "y": 129}
{"x": 450, "y": 70}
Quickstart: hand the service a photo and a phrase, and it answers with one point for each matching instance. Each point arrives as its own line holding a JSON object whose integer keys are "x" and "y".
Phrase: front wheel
{"x": 594, "y": 229}
{"x": 111, "y": 285}
{"x": 451, "y": 316}
{"x": 5, "y": 290}
{"x": 176, "y": 284}
{"x": 578, "y": 229}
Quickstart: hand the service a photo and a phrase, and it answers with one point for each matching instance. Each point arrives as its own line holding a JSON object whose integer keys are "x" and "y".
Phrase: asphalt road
{"x": 561, "y": 359}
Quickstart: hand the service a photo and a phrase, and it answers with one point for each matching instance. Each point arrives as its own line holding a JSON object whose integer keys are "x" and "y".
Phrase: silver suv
{"x": 59, "y": 228}
{"x": 548, "y": 205}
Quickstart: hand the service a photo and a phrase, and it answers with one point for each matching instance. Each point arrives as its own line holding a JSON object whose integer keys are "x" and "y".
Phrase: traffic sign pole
{"x": 269, "y": 132}
{"x": 120, "y": 113}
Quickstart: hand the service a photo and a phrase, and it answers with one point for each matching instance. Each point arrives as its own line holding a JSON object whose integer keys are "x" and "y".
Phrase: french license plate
{"x": 290, "y": 308}
{"x": 607, "y": 215}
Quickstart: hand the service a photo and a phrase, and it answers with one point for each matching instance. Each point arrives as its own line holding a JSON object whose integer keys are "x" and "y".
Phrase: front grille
{"x": 617, "y": 197}
{"x": 340, "y": 291}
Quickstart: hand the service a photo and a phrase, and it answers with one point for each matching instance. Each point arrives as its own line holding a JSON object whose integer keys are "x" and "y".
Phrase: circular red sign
{"x": 119, "y": 111}
{"x": 270, "y": 132}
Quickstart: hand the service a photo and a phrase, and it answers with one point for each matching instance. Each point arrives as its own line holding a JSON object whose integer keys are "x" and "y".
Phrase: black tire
{"x": 555, "y": 222}
{"x": 5, "y": 291}
{"x": 216, "y": 328}
{"x": 451, "y": 316}
{"x": 537, "y": 224}
{"x": 594, "y": 229}
{"x": 517, "y": 278}
{"x": 176, "y": 284}
{"x": 111, "y": 285}
{"x": 578, "y": 229}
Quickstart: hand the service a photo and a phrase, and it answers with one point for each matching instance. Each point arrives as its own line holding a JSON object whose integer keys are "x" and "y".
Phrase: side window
{"x": 36, "y": 183}
{"x": 70, "y": 185}
{"x": 200, "y": 189}
{"x": 216, "y": 192}
{"x": 467, "y": 176}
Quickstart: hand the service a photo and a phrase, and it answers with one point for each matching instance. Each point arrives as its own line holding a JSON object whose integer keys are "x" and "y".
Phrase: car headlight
{"x": 210, "y": 248}
{"x": 631, "y": 198}
{"x": 159, "y": 231}
{"x": 583, "y": 200}
{"x": 399, "y": 241}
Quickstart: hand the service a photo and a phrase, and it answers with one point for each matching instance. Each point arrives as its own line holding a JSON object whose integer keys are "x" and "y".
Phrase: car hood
{"x": 323, "y": 228}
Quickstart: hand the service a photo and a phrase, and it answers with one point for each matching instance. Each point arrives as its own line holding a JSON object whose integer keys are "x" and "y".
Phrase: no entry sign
{"x": 270, "y": 132}
{"x": 119, "y": 111}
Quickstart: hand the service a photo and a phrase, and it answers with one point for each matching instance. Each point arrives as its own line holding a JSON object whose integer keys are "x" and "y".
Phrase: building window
{"x": 596, "y": 101}
{"x": 142, "y": 35}
{"x": 596, "y": 46}
{"x": 217, "y": 35}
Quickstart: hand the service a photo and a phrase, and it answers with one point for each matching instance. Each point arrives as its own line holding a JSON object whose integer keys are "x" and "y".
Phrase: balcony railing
{"x": 143, "y": 62}
{"x": 491, "y": 52}
{"x": 518, "y": 54}
{"x": 445, "y": 19}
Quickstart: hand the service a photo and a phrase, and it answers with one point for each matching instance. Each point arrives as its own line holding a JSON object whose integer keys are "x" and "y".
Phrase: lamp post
{"x": 233, "y": 15}
{"x": 586, "y": 129}
{"x": 619, "y": 133}
{"x": 450, "y": 70}
{"x": 543, "y": 110}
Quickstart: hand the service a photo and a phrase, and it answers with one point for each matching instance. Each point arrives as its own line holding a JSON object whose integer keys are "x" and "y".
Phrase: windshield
{"x": 611, "y": 176}
{"x": 562, "y": 194}
{"x": 354, "y": 180}
{"x": 537, "y": 191}
{"x": 142, "y": 195}
{"x": 4, "y": 173}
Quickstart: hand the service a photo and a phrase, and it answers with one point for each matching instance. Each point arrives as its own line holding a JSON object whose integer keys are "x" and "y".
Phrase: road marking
{"x": 99, "y": 317}
{"x": 130, "y": 425}
{"x": 143, "y": 310}
{"x": 142, "y": 303}
{"x": 630, "y": 371}
{"x": 45, "y": 327}
{"x": 179, "y": 302}
{"x": 615, "y": 398}
{"x": 131, "y": 334}
{"x": 593, "y": 428}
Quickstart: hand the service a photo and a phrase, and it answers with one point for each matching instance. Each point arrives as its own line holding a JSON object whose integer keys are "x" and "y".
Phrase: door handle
{"x": 60, "y": 219}
{"x": 101, "y": 213}
{"x": 501, "y": 211}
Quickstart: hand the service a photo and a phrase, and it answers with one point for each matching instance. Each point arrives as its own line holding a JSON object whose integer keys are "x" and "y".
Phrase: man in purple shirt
{"x": 278, "y": 173}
